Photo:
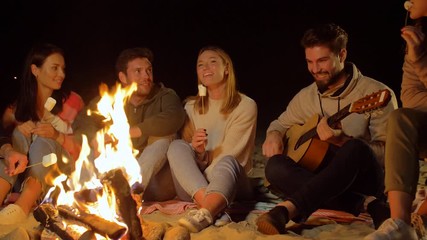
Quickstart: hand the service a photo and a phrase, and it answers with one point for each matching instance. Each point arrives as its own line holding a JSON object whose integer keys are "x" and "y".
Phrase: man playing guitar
{"x": 350, "y": 161}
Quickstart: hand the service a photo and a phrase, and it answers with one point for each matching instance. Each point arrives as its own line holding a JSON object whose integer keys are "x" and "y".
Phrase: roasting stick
{"x": 407, "y": 6}
{"x": 202, "y": 94}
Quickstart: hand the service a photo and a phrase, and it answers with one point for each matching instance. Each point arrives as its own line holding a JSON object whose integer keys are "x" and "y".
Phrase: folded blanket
{"x": 170, "y": 207}
{"x": 340, "y": 216}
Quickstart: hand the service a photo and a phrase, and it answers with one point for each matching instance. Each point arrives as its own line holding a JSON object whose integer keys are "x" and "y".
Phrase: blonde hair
{"x": 232, "y": 95}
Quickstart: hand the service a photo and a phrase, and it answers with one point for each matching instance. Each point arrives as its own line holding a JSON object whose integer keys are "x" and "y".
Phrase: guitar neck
{"x": 340, "y": 115}
{"x": 332, "y": 120}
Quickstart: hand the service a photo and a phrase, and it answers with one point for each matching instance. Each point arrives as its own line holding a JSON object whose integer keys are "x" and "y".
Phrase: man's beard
{"x": 322, "y": 86}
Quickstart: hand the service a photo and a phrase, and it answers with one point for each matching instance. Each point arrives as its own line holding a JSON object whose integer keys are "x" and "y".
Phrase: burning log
{"x": 116, "y": 180}
{"x": 48, "y": 216}
{"x": 96, "y": 223}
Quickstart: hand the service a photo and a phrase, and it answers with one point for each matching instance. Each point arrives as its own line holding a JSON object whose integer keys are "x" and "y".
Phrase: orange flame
{"x": 116, "y": 153}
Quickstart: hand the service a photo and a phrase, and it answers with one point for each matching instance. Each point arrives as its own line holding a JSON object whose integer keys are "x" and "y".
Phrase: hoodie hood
{"x": 346, "y": 87}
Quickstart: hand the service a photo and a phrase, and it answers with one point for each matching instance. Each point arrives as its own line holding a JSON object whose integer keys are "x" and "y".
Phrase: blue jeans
{"x": 345, "y": 175}
{"x": 227, "y": 177}
{"x": 155, "y": 172}
{"x": 36, "y": 149}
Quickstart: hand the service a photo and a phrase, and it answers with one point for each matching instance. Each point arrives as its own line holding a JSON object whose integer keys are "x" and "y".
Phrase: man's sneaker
{"x": 393, "y": 229}
{"x": 196, "y": 220}
{"x": 274, "y": 221}
{"x": 223, "y": 220}
{"x": 10, "y": 218}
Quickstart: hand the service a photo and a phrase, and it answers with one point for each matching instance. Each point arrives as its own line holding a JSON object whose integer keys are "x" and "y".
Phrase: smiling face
{"x": 324, "y": 65}
{"x": 211, "y": 69}
{"x": 140, "y": 71}
{"x": 418, "y": 9}
{"x": 51, "y": 73}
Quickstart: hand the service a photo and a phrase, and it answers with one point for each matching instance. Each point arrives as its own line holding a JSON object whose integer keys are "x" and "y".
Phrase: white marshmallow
{"x": 49, "y": 104}
{"x": 407, "y": 5}
{"x": 49, "y": 159}
{"x": 202, "y": 90}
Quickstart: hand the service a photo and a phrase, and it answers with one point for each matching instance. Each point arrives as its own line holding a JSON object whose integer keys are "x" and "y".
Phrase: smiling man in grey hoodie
{"x": 346, "y": 168}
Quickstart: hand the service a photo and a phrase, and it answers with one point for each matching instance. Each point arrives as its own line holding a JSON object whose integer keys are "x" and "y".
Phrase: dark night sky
{"x": 262, "y": 38}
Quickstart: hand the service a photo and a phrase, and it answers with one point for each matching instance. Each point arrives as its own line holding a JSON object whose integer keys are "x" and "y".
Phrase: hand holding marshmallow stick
{"x": 59, "y": 124}
{"x": 47, "y": 161}
{"x": 47, "y": 116}
{"x": 202, "y": 94}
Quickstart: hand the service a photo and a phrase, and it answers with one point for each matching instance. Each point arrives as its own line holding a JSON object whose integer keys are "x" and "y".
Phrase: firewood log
{"x": 97, "y": 224}
{"x": 116, "y": 180}
{"x": 49, "y": 217}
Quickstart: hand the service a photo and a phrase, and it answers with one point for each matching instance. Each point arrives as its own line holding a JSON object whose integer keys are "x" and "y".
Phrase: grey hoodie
{"x": 309, "y": 101}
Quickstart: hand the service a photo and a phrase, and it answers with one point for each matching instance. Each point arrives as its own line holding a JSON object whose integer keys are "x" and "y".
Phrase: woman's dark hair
{"x": 26, "y": 105}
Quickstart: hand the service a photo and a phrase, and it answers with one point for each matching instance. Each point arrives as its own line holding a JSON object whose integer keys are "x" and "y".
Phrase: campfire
{"x": 101, "y": 207}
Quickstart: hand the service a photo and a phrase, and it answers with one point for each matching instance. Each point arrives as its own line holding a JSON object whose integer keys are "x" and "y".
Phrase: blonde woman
{"x": 210, "y": 162}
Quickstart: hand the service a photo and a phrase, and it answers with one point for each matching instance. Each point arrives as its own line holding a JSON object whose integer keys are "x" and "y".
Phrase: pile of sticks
{"x": 73, "y": 223}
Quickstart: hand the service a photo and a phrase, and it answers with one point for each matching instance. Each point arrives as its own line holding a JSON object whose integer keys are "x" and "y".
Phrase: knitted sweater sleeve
{"x": 414, "y": 84}
{"x": 239, "y": 136}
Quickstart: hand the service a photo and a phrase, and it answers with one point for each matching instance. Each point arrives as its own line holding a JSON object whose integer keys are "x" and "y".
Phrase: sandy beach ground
{"x": 323, "y": 224}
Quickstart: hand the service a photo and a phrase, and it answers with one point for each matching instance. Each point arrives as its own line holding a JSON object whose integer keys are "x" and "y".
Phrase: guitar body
{"x": 310, "y": 153}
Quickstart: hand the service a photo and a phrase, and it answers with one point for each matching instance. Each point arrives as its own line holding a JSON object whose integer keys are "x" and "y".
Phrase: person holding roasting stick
{"x": 406, "y": 133}
{"x": 42, "y": 126}
{"x": 210, "y": 162}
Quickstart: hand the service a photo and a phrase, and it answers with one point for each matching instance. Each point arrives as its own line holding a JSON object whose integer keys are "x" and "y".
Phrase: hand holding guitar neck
{"x": 303, "y": 145}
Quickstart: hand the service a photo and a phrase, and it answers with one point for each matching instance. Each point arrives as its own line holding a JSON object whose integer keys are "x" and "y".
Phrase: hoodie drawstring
{"x": 321, "y": 106}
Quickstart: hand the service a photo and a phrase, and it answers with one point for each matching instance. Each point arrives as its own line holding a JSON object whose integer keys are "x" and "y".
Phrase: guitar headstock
{"x": 371, "y": 102}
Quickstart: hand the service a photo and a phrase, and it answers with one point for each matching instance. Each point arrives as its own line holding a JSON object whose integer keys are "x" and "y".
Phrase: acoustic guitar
{"x": 304, "y": 146}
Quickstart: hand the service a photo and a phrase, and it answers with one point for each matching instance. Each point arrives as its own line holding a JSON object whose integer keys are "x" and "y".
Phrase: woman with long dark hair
{"x": 41, "y": 130}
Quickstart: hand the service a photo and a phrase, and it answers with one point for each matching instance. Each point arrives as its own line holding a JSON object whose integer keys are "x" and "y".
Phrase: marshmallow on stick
{"x": 49, "y": 104}
{"x": 202, "y": 93}
{"x": 407, "y": 5}
{"x": 59, "y": 124}
{"x": 47, "y": 161}
{"x": 202, "y": 90}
